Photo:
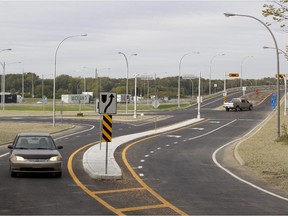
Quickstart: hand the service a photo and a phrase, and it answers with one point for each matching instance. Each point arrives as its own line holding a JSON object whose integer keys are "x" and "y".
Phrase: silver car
{"x": 35, "y": 152}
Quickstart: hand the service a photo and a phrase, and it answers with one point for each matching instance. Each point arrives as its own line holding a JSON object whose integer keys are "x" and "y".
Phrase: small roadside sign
{"x": 108, "y": 103}
{"x": 155, "y": 104}
{"x": 274, "y": 100}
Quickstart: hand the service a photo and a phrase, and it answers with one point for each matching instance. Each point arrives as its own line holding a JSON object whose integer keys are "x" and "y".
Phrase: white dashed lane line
{"x": 152, "y": 152}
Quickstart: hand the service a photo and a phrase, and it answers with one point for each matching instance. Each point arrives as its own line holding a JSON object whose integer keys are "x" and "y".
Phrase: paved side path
{"x": 94, "y": 159}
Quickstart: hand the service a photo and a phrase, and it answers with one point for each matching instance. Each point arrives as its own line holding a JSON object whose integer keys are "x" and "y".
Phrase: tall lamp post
{"x": 179, "y": 78}
{"x": 241, "y": 76}
{"x": 285, "y": 78}
{"x": 135, "y": 97}
{"x": 97, "y": 85}
{"x": 3, "y": 79}
{"x": 4, "y": 82}
{"x": 180, "y": 62}
{"x": 54, "y": 80}
{"x": 211, "y": 70}
{"x": 278, "y": 68}
{"x": 127, "y": 78}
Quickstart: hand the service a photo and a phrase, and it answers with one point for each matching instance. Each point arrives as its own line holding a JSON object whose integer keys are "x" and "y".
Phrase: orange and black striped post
{"x": 106, "y": 135}
{"x": 107, "y": 128}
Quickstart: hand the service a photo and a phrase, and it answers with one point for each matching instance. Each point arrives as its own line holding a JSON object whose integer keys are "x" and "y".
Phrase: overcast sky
{"x": 160, "y": 32}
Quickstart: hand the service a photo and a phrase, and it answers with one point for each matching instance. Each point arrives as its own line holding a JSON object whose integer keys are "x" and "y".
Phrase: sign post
{"x": 107, "y": 107}
{"x": 106, "y": 135}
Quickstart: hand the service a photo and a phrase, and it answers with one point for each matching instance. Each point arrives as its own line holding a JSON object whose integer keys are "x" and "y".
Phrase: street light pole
{"x": 180, "y": 62}
{"x": 241, "y": 76}
{"x": 278, "y": 67}
{"x": 127, "y": 78}
{"x": 135, "y": 97}
{"x": 211, "y": 70}
{"x": 23, "y": 84}
{"x": 179, "y": 78}
{"x": 3, "y": 87}
{"x": 3, "y": 80}
{"x": 285, "y": 78}
{"x": 199, "y": 97}
{"x": 54, "y": 80}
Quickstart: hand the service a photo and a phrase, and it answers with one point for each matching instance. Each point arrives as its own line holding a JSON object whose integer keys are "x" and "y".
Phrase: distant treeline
{"x": 35, "y": 86}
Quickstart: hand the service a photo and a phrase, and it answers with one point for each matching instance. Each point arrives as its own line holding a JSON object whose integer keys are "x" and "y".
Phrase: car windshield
{"x": 35, "y": 142}
{"x": 235, "y": 100}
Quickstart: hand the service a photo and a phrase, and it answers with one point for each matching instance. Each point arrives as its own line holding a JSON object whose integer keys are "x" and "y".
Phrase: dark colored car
{"x": 35, "y": 152}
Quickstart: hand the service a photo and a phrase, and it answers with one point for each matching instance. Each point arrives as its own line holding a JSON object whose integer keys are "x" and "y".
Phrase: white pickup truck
{"x": 238, "y": 104}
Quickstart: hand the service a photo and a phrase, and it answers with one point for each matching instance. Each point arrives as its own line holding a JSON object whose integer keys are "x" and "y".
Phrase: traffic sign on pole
{"x": 233, "y": 75}
{"x": 108, "y": 103}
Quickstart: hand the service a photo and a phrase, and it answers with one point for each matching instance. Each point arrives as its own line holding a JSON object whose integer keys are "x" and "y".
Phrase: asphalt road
{"x": 180, "y": 170}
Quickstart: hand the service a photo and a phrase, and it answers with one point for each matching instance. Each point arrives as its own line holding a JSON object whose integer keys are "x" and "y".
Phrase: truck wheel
{"x": 250, "y": 108}
{"x": 237, "y": 108}
{"x": 227, "y": 109}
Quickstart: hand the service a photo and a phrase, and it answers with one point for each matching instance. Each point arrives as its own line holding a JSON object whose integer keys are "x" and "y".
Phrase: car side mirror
{"x": 10, "y": 146}
{"x": 59, "y": 147}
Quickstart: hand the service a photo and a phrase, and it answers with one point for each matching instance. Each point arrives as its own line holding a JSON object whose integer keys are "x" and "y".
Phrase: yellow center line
{"x": 83, "y": 187}
{"x": 142, "y": 208}
{"x": 145, "y": 187}
{"x": 118, "y": 191}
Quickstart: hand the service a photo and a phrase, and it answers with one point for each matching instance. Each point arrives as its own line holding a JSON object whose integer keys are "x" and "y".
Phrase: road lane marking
{"x": 83, "y": 187}
{"x": 93, "y": 194}
{"x": 3, "y": 155}
{"x": 138, "y": 208}
{"x": 176, "y": 136}
{"x": 214, "y": 122}
{"x": 202, "y": 135}
{"x": 119, "y": 190}
{"x": 82, "y": 131}
{"x": 142, "y": 183}
{"x": 239, "y": 178}
{"x": 197, "y": 129}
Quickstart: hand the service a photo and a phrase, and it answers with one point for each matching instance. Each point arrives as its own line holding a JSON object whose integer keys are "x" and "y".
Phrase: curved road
{"x": 177, "y": 165}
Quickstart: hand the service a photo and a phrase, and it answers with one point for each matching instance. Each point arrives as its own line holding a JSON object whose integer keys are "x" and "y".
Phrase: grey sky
{"x": 160, "y": 32}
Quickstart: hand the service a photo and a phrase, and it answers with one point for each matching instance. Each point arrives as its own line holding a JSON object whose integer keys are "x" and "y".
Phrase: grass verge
{"x": 10, "y": 129}
{"x": 266, "y": 157}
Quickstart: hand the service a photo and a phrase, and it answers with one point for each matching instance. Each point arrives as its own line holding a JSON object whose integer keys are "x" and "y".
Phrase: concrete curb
{"x": 94, "y": 158}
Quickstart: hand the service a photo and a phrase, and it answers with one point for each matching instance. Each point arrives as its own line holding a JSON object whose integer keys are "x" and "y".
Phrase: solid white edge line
{"x": 240, "y": 179}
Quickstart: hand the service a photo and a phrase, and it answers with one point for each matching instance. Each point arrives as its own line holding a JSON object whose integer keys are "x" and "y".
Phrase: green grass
{"x": 87, "y": 107}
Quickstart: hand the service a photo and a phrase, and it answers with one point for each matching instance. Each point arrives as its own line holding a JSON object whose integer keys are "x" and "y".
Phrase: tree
{"x": 278, "y": 10}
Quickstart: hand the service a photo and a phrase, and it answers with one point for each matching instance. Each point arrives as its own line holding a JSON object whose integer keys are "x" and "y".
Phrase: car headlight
{"x": 17, "y": 158}
{"x": 55, "y": 158}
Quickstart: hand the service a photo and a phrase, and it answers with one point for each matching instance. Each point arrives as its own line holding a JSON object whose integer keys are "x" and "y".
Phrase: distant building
{"x": 76, "y": 98}
{"x": 9, "y": 98}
